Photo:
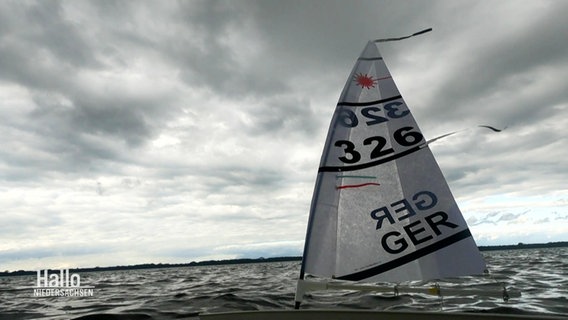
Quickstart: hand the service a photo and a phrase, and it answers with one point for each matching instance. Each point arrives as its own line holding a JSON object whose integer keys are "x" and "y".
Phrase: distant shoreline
{"x": 263, "y": 260}
{"x": 521, "y": 245}
{"x": 161, "y": 265}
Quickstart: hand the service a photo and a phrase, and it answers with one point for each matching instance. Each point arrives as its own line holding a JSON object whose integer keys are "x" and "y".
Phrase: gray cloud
{"x": 202, "y": 122}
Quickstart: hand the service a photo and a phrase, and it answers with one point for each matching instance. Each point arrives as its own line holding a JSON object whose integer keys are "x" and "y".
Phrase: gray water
{"x": 177, "y": 293}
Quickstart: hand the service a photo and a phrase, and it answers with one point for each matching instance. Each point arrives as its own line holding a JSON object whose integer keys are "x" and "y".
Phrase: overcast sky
{"x": 162, "y": 131}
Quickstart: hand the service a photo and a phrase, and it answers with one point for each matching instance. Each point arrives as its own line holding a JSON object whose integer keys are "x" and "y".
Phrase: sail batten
{"x": 382, "y": 210}
{"x": 368, "y": 103}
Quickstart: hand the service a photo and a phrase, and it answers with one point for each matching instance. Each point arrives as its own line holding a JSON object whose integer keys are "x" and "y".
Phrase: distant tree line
{"x": 520, "y": 245}
{"x": 162, "y": 265}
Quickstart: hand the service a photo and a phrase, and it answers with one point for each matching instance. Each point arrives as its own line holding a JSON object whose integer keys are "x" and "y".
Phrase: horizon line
{"x": 153, "y": 265}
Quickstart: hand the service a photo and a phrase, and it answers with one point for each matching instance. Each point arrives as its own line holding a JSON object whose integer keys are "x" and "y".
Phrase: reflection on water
{"x": 541, "y": 275}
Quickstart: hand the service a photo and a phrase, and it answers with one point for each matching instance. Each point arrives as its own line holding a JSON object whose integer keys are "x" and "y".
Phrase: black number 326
{"x": 403, "y": 136}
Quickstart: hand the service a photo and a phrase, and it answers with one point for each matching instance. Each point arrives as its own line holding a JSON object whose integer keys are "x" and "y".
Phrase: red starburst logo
{"x": 365, "y": 81}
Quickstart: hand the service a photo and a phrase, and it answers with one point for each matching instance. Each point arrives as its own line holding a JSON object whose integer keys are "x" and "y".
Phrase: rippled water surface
{"x": 176, "y": 293}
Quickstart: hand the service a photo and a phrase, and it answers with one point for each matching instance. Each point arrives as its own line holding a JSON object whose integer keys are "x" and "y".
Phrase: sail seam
{"x": 407, "y": 258}
{"x": 370, "y": 59}
{"x": 370, "y": 164}
{"x": 368, "y": 103}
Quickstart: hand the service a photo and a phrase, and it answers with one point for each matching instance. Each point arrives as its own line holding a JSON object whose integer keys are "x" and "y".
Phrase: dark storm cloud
{"x": 129, "y": 118}
{"x": 57, "y": 60}
{"x": 282, "y": 116}
{"x": 499, "y": 65}
{"x": 35, "y": 34}
{"x": 323, "y": 32}
{"x": 168, "y": 118}
{"x": 212, "y": 63}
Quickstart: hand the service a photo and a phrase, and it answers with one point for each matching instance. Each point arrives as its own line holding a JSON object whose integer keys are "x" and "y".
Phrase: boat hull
{"x": 365, "y": 315}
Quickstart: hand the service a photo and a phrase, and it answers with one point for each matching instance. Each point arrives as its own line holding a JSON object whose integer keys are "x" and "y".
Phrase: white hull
{"x": 365, "y": 315}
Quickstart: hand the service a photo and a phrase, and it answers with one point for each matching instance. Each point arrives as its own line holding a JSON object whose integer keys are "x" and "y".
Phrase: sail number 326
{"x": 403, "y": 136}
{"x": 372, "y": 115}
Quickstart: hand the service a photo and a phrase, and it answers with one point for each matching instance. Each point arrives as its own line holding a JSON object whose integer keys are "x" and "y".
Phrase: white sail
{"x": 381, "y": 209}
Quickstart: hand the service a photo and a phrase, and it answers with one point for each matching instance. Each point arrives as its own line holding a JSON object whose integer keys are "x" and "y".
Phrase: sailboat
{"x": 381, "y": 209}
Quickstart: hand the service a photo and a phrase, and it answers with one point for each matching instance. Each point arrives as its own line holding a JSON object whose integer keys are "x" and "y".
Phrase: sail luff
{"x": 317, "y": 187}
{"x": 309, "y": 228}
